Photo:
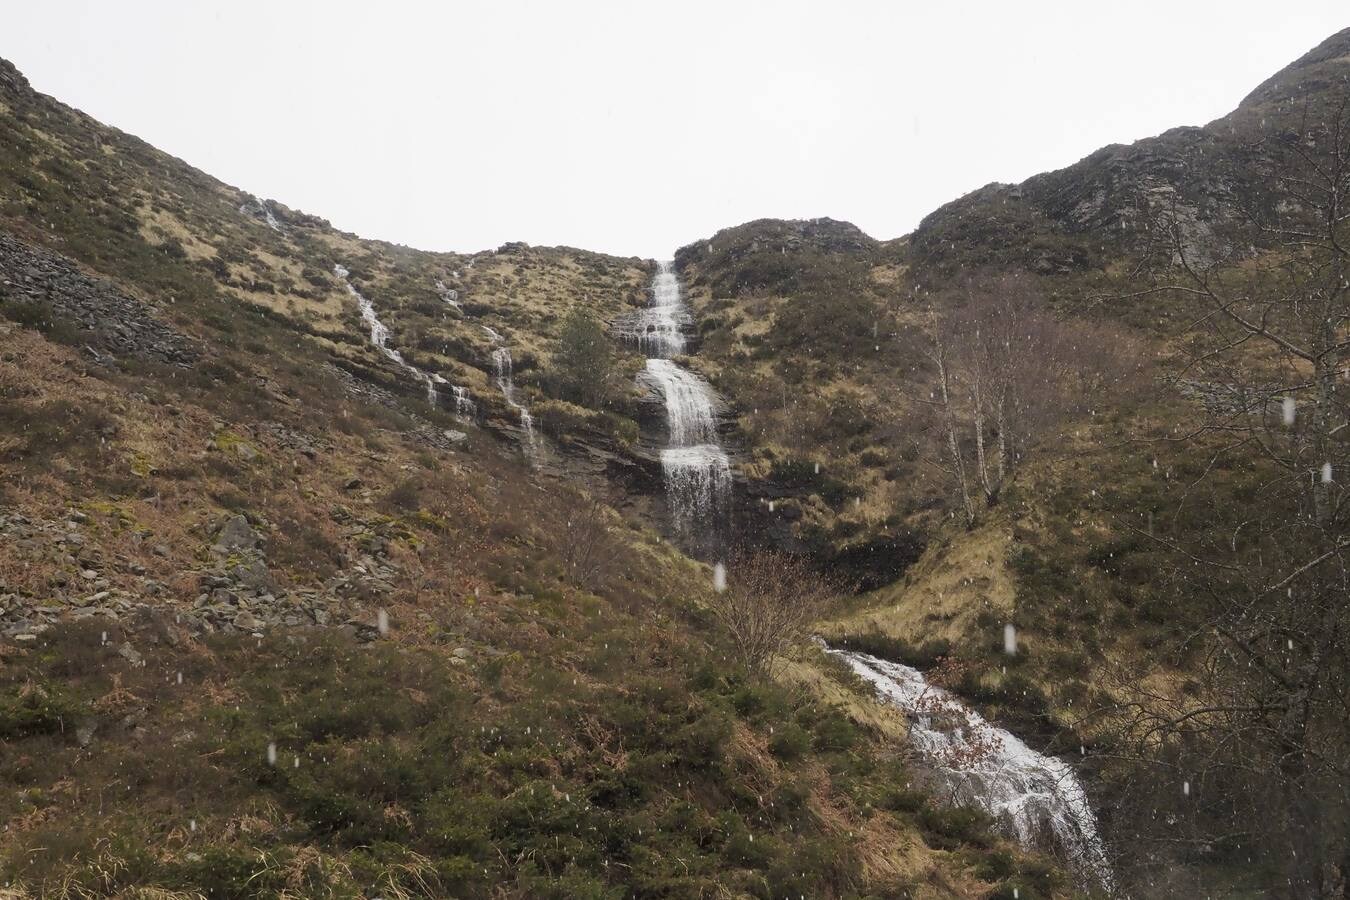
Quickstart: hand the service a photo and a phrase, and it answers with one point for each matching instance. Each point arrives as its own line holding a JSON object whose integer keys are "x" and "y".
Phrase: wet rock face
{"x": 117, "y": 324}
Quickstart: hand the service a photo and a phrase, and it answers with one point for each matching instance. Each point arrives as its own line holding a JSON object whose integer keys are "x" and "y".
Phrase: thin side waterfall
{"x": 502, "y": 368}
{"x": 465, "y": 408}
{"x": 1036, "y": 799}
{"x": 696, "y": 470}
{"x": 448, "y": 294}
{"x": 266, "y": 210}
{"x": 379, "y": 338}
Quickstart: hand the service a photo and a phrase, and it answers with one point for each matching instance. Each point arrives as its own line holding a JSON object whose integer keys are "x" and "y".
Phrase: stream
{"x": 1036, "y": 799}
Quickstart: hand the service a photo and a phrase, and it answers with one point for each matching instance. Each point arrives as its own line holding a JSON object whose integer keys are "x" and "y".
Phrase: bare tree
{"x": 1008, "y": 373}
{"x": 951, "y": 429}
{"x": 1266, "y": 733}
{"x": 766, "y": 603}
{"x": 1271, "y": 334}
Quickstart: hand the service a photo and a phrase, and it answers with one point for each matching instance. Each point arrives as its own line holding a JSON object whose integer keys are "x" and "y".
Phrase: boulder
{"x": 236, "y": 536}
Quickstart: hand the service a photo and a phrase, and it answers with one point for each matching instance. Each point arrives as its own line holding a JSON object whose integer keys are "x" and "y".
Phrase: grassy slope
{"x": 519, "y": 731}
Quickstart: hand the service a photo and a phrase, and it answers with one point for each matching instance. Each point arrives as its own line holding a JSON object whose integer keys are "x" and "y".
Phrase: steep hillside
{"x": 113, "y": 203}
{"x": 1099, "y": 217}
{"x": 277, "y": 620}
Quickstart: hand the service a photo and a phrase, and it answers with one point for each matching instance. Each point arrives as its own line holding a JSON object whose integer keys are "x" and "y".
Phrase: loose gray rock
{"x": 236, "y": 536}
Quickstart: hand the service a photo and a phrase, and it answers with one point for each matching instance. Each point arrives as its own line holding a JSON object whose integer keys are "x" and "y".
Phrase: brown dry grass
{"x": 946, "y": 589}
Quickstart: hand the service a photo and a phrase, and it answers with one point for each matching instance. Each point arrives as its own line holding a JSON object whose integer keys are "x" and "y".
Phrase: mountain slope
{"x": 275, "y": 624}
{"x": 291, "y": 620}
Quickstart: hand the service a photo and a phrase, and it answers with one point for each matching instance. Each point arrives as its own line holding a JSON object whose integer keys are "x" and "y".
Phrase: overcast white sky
{"x": 633, "y": 128}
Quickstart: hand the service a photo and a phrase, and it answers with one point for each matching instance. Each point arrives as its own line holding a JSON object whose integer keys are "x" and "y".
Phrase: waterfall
{"x": 448, "y": 294}
{"x": 501, "y": 366}
{"x": 379, "y": 339}
{"x": 659, "y": 329}
{"x": 689, "y": 403}
{"x": 1036, "y": 799}
{"x": 696, "y": 470}
{"x": 262, "y": 207}
{"x": 434, "y": 383}
{"x": 465, "y": 408}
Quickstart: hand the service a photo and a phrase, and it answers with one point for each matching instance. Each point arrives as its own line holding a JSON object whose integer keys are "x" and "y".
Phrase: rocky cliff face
{"x": 12, "y": 80}
{"x": 1104, "y": 208}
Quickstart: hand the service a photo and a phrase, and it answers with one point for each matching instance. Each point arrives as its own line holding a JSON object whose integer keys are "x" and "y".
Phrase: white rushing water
{"x": 1035, "y": 798}
{"x": 696, "y": 470}
{"x": 502, "y": 367}
{"x": 690, "y": 403}
{"x": 262, "y": 206}
{"x": 658, "y": 330}
{"x": 448, "y": 294}
{"x": 465, "y": 408}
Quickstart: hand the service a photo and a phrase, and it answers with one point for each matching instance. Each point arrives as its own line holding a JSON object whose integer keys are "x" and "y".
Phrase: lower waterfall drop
{"x": 1035, "y": 798}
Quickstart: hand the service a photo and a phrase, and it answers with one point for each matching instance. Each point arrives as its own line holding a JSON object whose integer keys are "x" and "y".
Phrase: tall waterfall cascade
{"x": 695, "y": 468}
{"x": 1036, "y": 799}
{"x": 465, "y": 408}
{"x": 658, "y": 330}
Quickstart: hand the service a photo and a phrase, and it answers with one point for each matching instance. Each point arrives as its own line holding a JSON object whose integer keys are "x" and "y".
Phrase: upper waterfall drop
{"x": 659, "y": 329}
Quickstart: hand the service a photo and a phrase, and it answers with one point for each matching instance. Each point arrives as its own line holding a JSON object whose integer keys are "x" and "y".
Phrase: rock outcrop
{"x": 115, "y": 323}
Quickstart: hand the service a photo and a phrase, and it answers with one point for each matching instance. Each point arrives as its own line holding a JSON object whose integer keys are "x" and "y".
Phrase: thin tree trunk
{"x": 953, "y": 444}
